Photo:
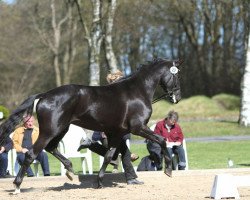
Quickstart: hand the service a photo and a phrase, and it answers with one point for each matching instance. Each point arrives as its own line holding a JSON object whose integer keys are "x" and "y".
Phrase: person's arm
{"x": 158, "y": 129}
{"x": 178, "y": 139}
{"x": 8, "y": 145}
{"x": 2, "y": 149}
{"x": 16, "y": 141}
{"x": 181, "y": 136}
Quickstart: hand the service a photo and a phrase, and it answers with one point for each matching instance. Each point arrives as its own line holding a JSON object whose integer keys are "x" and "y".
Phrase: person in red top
{"x": 171, "y": 131}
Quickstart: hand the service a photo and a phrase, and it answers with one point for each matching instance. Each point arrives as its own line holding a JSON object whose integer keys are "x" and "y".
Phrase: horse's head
{"x": 170, "y": 81}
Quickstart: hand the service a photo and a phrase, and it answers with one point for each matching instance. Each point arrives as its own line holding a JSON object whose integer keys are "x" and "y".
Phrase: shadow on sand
{"x": 86, "y": 181}
{"x": 90, "y": 181}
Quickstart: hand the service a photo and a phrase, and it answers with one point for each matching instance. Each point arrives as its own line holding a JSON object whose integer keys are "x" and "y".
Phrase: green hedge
{"x": 5, "y": 112}
{"x": 227, "y": 101}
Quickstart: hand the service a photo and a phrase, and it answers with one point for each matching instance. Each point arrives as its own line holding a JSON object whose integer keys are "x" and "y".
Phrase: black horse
{"x": 119, "y": 108}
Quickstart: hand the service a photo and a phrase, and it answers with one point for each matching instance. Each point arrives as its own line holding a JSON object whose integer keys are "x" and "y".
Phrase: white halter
{"x": 174, "y": 70}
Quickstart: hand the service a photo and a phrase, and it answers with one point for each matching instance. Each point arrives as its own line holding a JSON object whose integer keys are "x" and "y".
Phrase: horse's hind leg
{"x": 52, "y": 148}
{"x": 29, "y": 158}
{"x": 66, "y": 162}
{"x": 107, "y": 158}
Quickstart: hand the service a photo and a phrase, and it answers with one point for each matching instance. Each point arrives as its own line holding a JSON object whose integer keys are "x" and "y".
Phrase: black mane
{"x": 155, "y": 61}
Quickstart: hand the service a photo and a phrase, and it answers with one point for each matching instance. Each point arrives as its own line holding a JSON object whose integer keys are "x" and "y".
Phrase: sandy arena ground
{"x": 184, "y": 185}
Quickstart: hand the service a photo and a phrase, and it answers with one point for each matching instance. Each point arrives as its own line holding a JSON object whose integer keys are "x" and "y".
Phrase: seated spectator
{"x": 4, "y": 149}
{"x": 155, "y": 154}
{"x": 23, "y": 139}
{"x": 126, "y": 155}
{"x": 97, "y": 136}
{"x": 171, "y": 131}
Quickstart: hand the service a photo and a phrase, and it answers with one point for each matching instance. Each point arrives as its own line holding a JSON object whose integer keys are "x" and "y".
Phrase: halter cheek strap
{"x": 173, "y": 70}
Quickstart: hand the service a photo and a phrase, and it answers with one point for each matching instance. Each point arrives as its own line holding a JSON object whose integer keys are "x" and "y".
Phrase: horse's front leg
{"x": 107, "y": 158}
{"x": 29, "y": 158}
{"x": 148, "y": 134}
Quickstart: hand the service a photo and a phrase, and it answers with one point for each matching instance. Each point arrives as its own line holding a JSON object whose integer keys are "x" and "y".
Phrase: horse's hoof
{"x": 99, "y": 186}
{"x": 17, "y": 190}
{"x": 69, "y": 175}
{"x": 168, "y": 172}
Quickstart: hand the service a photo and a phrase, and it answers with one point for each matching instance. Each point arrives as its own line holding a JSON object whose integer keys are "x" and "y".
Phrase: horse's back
{"x": 60, "y": 100}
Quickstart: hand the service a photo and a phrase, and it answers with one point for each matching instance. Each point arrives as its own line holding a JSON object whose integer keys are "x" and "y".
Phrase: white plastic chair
{"x": 69, "y": 145}
{"x": 173, "y": 155}
{"x": 11, "y": 161}
{"x": 13, "y": 165}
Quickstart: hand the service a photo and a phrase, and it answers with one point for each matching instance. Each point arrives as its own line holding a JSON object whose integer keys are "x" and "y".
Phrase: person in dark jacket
{"x": 4, "y": 149}
{"x": 123, "y": 149}
{"x": 155, "y": 154}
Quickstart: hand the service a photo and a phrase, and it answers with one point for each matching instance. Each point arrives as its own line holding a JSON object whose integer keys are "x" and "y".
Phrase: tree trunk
{"x": 110, "y": 56}
{"x": 71, "y": 49}
{"x": 245, "y": 88}
{"x": 56, "y": 44}
{"x": 95, "y": 42}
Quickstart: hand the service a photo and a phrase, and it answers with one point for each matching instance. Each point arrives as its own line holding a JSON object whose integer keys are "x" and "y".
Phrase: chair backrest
{"x": 71, "y": 141}
{"x": 152, "y": 128}
{"x": 11, "y": 161}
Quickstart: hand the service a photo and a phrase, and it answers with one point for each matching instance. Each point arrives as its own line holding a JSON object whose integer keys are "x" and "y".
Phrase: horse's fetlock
{"x": 68, "y": 163}
{"x": 17, "y": 182}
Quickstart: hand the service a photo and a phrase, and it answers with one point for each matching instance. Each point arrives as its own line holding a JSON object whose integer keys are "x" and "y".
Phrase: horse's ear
{"x": 179, "y": 62}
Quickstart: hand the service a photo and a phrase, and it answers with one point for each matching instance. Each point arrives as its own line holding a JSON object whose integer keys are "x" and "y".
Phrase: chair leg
{"x": 101, "y": 159}
{"x": 84, "y": 165}
{"x": 175, "y": 162}
{"x": 90, "y": 165}
{"x": 36, "y": 168}
{"x": 120, "y": 160}
{"x": 63, "y": 170}
{"x": 16, "y": 168}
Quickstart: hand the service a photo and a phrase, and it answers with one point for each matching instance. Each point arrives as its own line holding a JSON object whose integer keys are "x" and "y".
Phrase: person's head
{"x": 171, "y": 118}
{"x": 112, "y": 77}
{"x": 28, "y": 121}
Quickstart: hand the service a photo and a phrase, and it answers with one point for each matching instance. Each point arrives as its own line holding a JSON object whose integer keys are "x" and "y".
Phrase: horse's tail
{"x": 25, "y": 109}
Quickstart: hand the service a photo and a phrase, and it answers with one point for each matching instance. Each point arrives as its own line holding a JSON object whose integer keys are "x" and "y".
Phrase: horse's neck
{"x": 149, "y": 79}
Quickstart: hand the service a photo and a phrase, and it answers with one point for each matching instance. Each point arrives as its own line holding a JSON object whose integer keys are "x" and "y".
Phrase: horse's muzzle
{"x": 175, "y": 98}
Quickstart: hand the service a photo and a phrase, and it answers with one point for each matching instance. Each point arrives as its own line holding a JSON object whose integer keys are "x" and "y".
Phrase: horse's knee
{"x": 108, "y": 158}
{"x": 109, "y": 155}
